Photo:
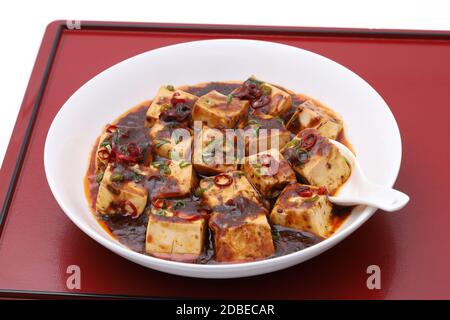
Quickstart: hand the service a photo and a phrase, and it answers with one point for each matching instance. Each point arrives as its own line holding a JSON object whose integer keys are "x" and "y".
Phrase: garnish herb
{"x": 257, "y": 130}
{"x": 170, "y": 87}
{"x": 161, "y": 143}
{"x": 179, "y": 204}
{"x": 229, "y": 98}
{"x": 276, "y": 235}
{"x": 253, "y": 121}
{"x": 302, "y": 155}
{"x": 99, "y": 177}
{"x": 137, "y": 177}
{"x": 312, "y": 199}
{"x": 198, "y": 193}
{"x": 255, "y": 81}
{"x": 160, "y": 212}
{"x": 293, "y": 143}
{"x": 162, "y": 166}
{"x": 281, "y": 121}
{"x": 105, "y": 143}
{"x": 116, "y": 177}
{"x": 184, "y": 164}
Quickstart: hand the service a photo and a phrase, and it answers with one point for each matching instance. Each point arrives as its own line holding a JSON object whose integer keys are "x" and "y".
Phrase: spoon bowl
{"x": 359, "y": 190}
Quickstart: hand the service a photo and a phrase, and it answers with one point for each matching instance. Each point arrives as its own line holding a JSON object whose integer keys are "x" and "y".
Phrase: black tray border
{"x": 162, "y": 27}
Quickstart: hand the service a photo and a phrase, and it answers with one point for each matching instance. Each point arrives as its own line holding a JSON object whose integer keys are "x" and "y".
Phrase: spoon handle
{"x": 377, "y": 196}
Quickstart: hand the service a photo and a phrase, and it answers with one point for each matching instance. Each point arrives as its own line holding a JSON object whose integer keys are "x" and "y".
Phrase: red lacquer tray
{"x": 410, "y": 69}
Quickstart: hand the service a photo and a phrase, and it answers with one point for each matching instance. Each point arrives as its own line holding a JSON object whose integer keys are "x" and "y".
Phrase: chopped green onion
{"x": 137, "y": 177}
{"x": 99, "y": 177}
{"x": 312, "y": 199}
{"x": 293, "y": 143}
{"x": 281, "y": 121}
{"x": 170, "y": 87}
{"x": 179, "y": 204}
{"x": 165, "y": 170}
{"x": 198, "y": 193}
{"x": 162, "y": 166}
{"x": 229, "y": 98}
{"x": 184, "y": 164}
{"x": 276, "y": 234}
{"x": 105, "y": 143}
{"x": 252, "y": 121}
{"x": 160, "y": 212}
{"x": 255, "y": 81}
{"x": 161, "y": 142}
{"x": 116, "y": 177}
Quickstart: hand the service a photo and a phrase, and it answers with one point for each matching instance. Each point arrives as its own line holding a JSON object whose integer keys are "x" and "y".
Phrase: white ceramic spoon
{"x": 359, "y": 190}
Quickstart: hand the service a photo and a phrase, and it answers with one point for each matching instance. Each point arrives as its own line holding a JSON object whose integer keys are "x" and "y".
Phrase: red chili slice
{"x": 133, "y": 149}
{"x": 188, "y": 216}
{"x": 129, "y": 204}
{"x": 103, "y": 154}
{"x": 304, "y": 192}
{"x": 111, "y": 128}
{"x": 176, "y": 100}
{"x": 131, "y": 160}
{"x": 308, "y": 141}
{"x": 160, "y": 203}
{"x": 223, "y": 180}
{"x": 321, "y": 191}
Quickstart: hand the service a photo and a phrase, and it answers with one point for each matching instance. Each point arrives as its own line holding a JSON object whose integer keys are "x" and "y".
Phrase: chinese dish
{"x": 220, "y": 172}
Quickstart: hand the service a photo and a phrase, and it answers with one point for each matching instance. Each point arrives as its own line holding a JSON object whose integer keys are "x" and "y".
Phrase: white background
{"x": 22, "y": 25}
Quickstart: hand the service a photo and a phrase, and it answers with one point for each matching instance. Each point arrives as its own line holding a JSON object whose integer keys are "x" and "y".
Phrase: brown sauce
{"x": 132, "y": 232}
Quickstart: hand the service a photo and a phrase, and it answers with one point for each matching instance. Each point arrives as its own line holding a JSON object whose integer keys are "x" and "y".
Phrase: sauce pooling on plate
{"x": 156, "y": 183}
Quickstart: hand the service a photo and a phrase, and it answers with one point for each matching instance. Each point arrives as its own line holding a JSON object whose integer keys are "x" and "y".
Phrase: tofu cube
{"x": 304, "y": 208}
{"x": 166, "y": 98}
{"x": 219, "y": 111}
{"x": 241, "y": 232}
{"x": 171, "y": 141}
{"x": 314, "y": 115}
{"x": 223, "y": 188}
{"x": 175, "y": 233}
{"x": 269, "y": 172}
{"x": 119, "y": 193}
{"x": 265, "y": 98}
{"x": 171, "y": 179}
{"x": 210, "y": 152}
{"x": 265, "y": 132}
{"x": 317, "y": 160}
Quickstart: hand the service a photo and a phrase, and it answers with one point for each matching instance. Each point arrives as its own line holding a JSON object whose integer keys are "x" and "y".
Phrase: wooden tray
{"x": 410, "y": 69}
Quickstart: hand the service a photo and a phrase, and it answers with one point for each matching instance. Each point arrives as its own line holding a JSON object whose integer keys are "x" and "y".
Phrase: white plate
{"x": 370, "y": 127}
